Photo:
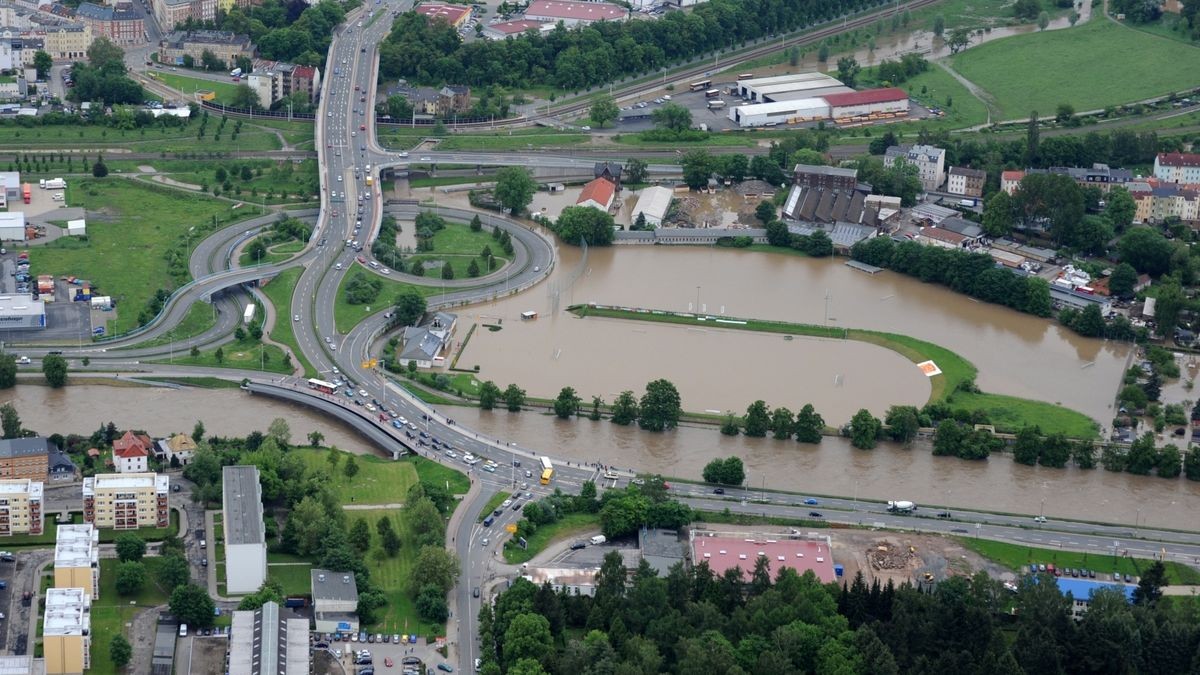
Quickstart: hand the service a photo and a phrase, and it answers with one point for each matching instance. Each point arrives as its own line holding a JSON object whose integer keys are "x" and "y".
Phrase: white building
{"x": 20, "y": 310}
{"x": 21, "y": 507}
{"x": 245, "y": 540}
{"x": 77, "y": 558}
{"x": 12, "y": 226}
{"x": 1177, "y": 167}
{"x": 335, "y": 601}
{"x": 930, "y": 162}
{"x": 781, "y": 112}
{"x": 654, "y": 202}
{"x": 750, "y": 88}
{"x": 66, "y": 631}
{"x": 77, "y": 228}
{"x": 10, "y": 187}
{"x": 599, "y": 193}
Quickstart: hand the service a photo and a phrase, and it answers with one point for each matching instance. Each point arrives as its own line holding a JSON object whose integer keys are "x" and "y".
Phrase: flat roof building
{"x": 455, "y": 15}
{"x": 245, "y": 542}
{"x": 726, "y": 550}
{"x": 1082, "y": 592}
{"x": 867, "y": 102}
{"x": 816, "y": 175}
{"x": 20, "y": 311}
{"x": 765, "y": 93}
{"x": 77, "y": 558}
{"x": 571, "y": 13}
{"x": 12, "y": 226}
{"x": 335, "y": 601}
{"x": 781, "y": 112}
{"x": 745, "y": 87}
{"x": 654, "y": 203}
{"x": 66, "y": 631}
{"x": 503, "y": 29}
{"x": 263, "y": 642}
{"x": 127, "y": 501}
{"x": 21, "y": 506}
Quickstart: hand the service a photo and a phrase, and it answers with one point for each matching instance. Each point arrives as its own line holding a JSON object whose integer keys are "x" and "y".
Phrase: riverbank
{"x": 952, "y": 383}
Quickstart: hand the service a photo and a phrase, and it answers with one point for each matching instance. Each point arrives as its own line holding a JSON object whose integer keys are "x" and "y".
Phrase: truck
{"x": 295, "y": 601}
{"x": 901, "y": 507}
{"x": 236, "y": 74}
{"x": 597, "y": 540}
{"x": 248, "y": 315}
{"x": 52, "y": 184}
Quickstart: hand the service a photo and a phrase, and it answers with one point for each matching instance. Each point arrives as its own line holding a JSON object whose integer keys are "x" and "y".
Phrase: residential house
{"x": 21, "y": 507}
{"x": 951, "y": 232}
{"x": 127, "y": 501}
{"x": 428, "y": 344}
{"x": 832, "y": 177}
{"x": 171, "y": 13}
{"x": 453, "y": 99}
{"x": 131, "y": 453}
{"x": 966, "y": 182}
{"x": 25, "y": 457}
{"x": 1099, "y": 175}
{"x": 1177, "y": 167}
{"x": 119, "y": 23}
{"x": 60, "y": 468}
{"x": 930, "y": 162}
{"x": 609, "y": 171}
{"x": 599, "y": 193}
{"x": 224, "y": 45}
{"x": 176, "y": 450}
{"x": 68, "y": 42}
{"x": 1158, "y": 201}
{"x": 1010, "y": 181}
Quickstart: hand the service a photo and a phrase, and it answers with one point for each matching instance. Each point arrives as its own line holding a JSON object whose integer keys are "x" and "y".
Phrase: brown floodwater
{"x": 1015, "y": 353}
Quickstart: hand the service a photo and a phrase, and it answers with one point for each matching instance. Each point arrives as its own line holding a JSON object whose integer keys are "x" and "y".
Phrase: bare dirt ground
{"x": 208, "y": 655}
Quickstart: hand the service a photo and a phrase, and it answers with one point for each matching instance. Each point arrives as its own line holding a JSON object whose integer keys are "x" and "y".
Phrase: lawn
{"x": 107, "y": 536}
{"x": 346, "y": 315}
{"x": 714, "y": 139}
{"x": 111, "y": 612}
{"x": 567, "y": 527}
{"x": 1018, "y": 556}
{"x": 1009, "y": 414}
{"x": 379, "y": 481}
{"x": 275, "y": 181}
{"x": 131, "y": 227}
{"x": 190, "y": 85}
{"x": 294, "y": 578}
{"x": 456, "y": 245}
{"x": 155, "y": 139}
{"x": 517, "y": 139}
{"x": 492, "y": 504}
{"x": 279, "y": 291}
{"x": 198, "y": 319}
{"x": 246, "y": 354}
{"x": 392, "y": 575}
{"x": 1038, "y": 71}
{"x": 276, "y": 253}
{"x": 936, "y": 87}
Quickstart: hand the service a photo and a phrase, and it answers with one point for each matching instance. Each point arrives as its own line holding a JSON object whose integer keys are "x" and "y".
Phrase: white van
{"x": 597, "y": 540}
{"x": 183, "y": 630}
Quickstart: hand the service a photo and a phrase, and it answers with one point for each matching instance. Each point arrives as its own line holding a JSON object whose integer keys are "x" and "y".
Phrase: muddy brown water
{"x": 1015, "y": 353}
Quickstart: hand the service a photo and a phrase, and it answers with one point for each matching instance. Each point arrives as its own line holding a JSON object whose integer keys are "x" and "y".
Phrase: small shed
{"x": 77, "y": 228}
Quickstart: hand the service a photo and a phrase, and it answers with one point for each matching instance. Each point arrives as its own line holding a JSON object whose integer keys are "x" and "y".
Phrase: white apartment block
{"x": 21, "y": 506}
{"x": 127, "y": 501}
{"x": 66, "y": 631}
{"x": 930, "y": 162}
{"x": 77, "y": 558}
{"x": 1177, "y": 167}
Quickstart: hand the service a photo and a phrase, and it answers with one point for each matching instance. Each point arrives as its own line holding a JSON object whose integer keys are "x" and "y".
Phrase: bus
{"x": 745, "y": 76}
{"x": 547, "y": 471}
{"x": 716, "y": 105}
{"x": 370, "y": 180}
{"x": 712, "y": 93}
{"x": 322, "y": 386}
{"x": 701, "y": 85}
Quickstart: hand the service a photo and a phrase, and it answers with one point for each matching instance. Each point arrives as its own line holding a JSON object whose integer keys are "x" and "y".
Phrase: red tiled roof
{"x": 515, "y": 27}
{"x": 600, "y": 190}
{"x": 722, "y": 553}
{"x": 1012, "y": 175}
{"x": 130, "y": 445}
{"x": 866, "y": 97}
{"x": 451, "y": 13}
{"x": 1178, "y": 159}
{"x": 304, "y": 72}
{"x": 942, "y": 235}
{"x": 566, "y": 9}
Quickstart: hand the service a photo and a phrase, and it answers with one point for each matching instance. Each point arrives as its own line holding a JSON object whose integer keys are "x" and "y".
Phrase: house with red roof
{"x": 1010, "y": 181}
{"x": 598, "y": 194}
{"x": 1177, "y": 167}
{"x": 131, "y": 453}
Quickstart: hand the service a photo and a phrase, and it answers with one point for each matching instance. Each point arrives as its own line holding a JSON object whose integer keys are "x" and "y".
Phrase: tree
{"x": 728, "y": 471}
{"x": 119, "y": 650}
{"x": 823, "y": 51}
{"x": 864, "y": 429}
{"x": 435, "y": 566}
{"x": 514, "y": 398}
{"x": 635, "y": 170}
{"x": 99, "y": 169}
{"x": 577, "y": 224}
{"x": 1027, "y": 446}
{"x": 10, "y": 421}
{"x": 8, "y": 371}
{"x": 959, "y": 39}
{"x": 778, "y": 234}
{"x": 473, "y": 268}
{"x": 447, "y": 271}
{"x": 244, "y": 97}
{"x": 1123, "y": 280}
{"x": 1027, "y": 10}
{"x": 1153, "y": 580}
{"x": 1170, "y": 462}
{"x": 603, "y": 111}
{"x": 191, "y": 605}
{"x": 1120, "y": 208}
{"x": 54, "y": 367}
{"x": 567, "y": 404}
{"x": 431, "y": 605}
{"x": 104, "y": 54}
{"x": 388, "y": 538}
{"x": 514, "y": 188}
{"x": 131, "y": 576}
{"x": 902, "y": 422}
{"x": 130, "y": 547}
{"x": 848, "y": 70}
{"x": 782, "y": 423}
{"x": 528, "y": 637}
{"x": 660, "y": 406}
{"x": 489, "y": 393}
{"x": 1043, "y": 20}
{"x": 730, "y": 426}
{"x": 408, "y": 309}
{"x": 998, "y": 214}
{"x": 939, "y": 25}
{"x": 280, "y": 431}
{"x": 625, "y": 408}
{"x": 1064, "y": 113}
{"x": 1146, "y": 250}
{"x": 360, "y": 535}
{"x": 765, "y": 213}
{"x": 42, "y": 62}
{"x": 809, "y": 425}
{"x": 672, "y": 117}
{"x": 697, "y": 168}
{"x": 316, "y": 438}
{"x": 758, "y": 419}
{"x": 173, "y": 570}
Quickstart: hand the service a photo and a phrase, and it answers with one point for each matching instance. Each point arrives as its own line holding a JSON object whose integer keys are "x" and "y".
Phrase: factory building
{"x": 12, "y": 226}
{"x": 864, "y": 104}
{"x": 751, "y": 89}
{"x": 20, "y": 310}
{"x": 782, "y": 112}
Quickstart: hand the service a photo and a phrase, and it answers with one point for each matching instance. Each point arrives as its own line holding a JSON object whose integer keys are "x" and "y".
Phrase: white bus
{"x": 716, "y": 105}
{"x": 322, "y": 386}
{"x": 712, "y": 93}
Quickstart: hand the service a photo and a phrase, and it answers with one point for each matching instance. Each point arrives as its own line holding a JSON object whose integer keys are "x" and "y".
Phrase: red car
{"x": 356, "y": 87}
{"x": 388, "y": 662}
{"x": 362, "y": 127}
{"x": 361, "y": 260}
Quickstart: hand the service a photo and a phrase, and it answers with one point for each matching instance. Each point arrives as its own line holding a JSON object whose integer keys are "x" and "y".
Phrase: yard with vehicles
{"x": 1025, "y": 73}
{"x": 1018, "y": 557}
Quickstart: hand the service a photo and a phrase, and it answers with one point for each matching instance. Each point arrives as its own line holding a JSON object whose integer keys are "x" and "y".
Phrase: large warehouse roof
{"x": 579, "y": 11}
{"x": 867, "y": 97}
{"x": 822, "y": 83}
{"x": 780, "y": 79}
{"x": 654, "y": 202}
{"x": 808, "y": 93}
{"x": 782, "y": 107}
{"x": 21, "y": 304}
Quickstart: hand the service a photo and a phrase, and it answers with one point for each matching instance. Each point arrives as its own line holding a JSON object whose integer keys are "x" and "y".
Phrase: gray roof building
{"x": 825, "y": 205}
{"x": 962, "y": 226}
{"x": 245, "y": 543}
{"x": 263, "y": 642}
{"x": 425, "y": 343}
{"x": 334, "y": 591}
{"x": 662, "y": 549}
{"x": 12, "y": 448}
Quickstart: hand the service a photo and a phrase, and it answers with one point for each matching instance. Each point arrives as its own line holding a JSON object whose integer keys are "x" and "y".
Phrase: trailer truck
{"x": 901, "y": 507}
{"x": 52, "y": 184}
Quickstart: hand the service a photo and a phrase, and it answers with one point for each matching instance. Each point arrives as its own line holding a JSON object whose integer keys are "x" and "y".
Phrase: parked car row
{"x": 1078, "y": 573}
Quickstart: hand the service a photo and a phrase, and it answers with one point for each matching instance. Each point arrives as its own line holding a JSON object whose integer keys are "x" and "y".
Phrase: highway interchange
{"x": 348, "y": 153}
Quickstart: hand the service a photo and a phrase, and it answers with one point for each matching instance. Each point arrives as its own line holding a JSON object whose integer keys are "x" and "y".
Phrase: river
{"x": 829, "y": 468}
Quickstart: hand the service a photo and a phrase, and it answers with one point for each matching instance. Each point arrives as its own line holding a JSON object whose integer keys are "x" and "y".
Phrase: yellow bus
{"x": 547, "y": 471}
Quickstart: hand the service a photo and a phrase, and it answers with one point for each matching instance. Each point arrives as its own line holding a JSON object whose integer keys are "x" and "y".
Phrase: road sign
{"x": 370, "y": 363}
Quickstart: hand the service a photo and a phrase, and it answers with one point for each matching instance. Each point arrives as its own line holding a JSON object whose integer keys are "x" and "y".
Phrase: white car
{"x": 23, "y": 360}
{"x": 363, "y": 393}
{"x": 337, "y": 266}
{"x": 507, "y": 503}
{"x": 295, "y": 317}
{"x": 386, "y": 271}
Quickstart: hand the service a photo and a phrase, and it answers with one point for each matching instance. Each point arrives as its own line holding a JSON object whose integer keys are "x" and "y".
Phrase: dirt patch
{"x": 146, "y": 168}
{"x": 323, "y": 663}
{"x": 208, "y": 655}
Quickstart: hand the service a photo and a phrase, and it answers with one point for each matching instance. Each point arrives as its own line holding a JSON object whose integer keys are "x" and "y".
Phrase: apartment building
{"x": 77, "y": 558}
{"x": 965, "y": 182}
{"x": 25, "y": 458}
{"x": 930, "y": 163}
{"x": 829, "y": 177}
{"x": 66, "y": 632}
{"x": 21, "y": 506}
{"x": 67, "y": 42}
{"x": 274, "y": 81}
{"x": 245, "y": 540}
{"x": 127, "y": 501}
{"x": 224, "y": 45}
{"x": 119, "y": 23}
{"x": 1159, "y": 201}
{"x": 1177, "y": 167}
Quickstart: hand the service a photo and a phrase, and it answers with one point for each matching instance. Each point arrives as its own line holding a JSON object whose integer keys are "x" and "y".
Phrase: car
{"x": 395, "y": 638}
{"x": 497, "y": 512}
{"x": 814, "y": 514}
{"x": 578, "y": 545}
{"x": 362, "y": 637}
{"x": 328, "y": 339}
{"x": 338, "y": 266}
{"x": 1039, "y": 519}
{"x": 506, "y": 503}
{"x": 586, "y": 128}
{"x": 361, "y": 259}
{"x": 362, "y": 392}
{"x": 24, "y": 360}
{"x": 944, "y": 514}
{"x": 718, "y": 491}
{"x": 485, "y": 541}
{"x": 295, "y": 317}
{"x": 426, "y": 159}
{"x": 445, "y": 667}
{"x": 528, "y": 474}
{"x": 388, "y": 661}
{"x": 959, "y": 530}
{"x": 811, "y": 502}
{"x": 385, "y": 270}
{"x": 1091, "y": 574}
{"x": 475, "y": 592}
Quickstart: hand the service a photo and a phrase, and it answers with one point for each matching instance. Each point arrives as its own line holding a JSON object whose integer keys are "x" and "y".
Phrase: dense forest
{"x": 695, "y": 622}
{"x": 572, "y": 59}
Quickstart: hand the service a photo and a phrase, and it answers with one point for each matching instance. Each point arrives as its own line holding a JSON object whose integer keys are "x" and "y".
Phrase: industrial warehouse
{"x": 807, "y": 97}
{"x": 20, "y": 310}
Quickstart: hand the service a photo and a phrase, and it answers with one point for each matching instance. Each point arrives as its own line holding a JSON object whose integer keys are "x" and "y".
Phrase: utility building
{"x": 245, "y": 544}
{"x": 20, "y": 311}
{"x": 782, "y": 112}
{"x": 335, "y": 601}
{"x": 12, "y": 226}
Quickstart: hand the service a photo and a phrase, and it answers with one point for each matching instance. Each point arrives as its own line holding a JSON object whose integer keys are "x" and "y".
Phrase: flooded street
{"x": 1015, "y": 353}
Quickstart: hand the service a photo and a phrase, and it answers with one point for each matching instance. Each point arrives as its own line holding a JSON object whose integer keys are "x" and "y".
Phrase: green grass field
{"x": 1017, "y": 556}
{"x": 276, "y": 253}
{"x": 284, "y": 181}
{"x": 89, "y": 138}
{"x": 247, "y": 354}
{"x": 1009, "y": 414}
{"x": 456, "y": 245}
{"x": 130, "y": 228}
{"x": 190, "y": 85}
{"x": 567, "y": 527}
{"x": 294, "y": 578}
{"x": 713, "y": 140}
{"x": 111, "y": 612}
{"x": 346, "y": 315}
{"x": 279, "y": 291}
{"x": 379, "y": 481}
{"x": 1038, "y": 71}
{"x": 936, "y": 87}
{"x": 198, "y": 319}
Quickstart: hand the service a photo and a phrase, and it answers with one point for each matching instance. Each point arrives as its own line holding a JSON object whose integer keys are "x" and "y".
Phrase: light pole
{"x": 697, "y": 299}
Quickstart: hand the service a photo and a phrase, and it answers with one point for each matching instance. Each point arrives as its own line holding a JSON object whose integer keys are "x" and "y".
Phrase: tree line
{"x": 658, "y": 409}
{"x": 775, "y": 622}
{"x": 622, "y": 512}
{"x": 577, "y": 58}
{"x": 806, "y": 426}
{"x": 296, "y": 32}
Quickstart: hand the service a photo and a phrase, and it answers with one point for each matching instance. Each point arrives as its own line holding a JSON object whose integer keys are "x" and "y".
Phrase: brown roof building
{"x": 25, "y": 458}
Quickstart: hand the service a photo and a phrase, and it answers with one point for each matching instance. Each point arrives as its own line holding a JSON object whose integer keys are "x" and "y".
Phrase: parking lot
{"x": 380, "y": 654}
{"x": 65, "y": 319}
